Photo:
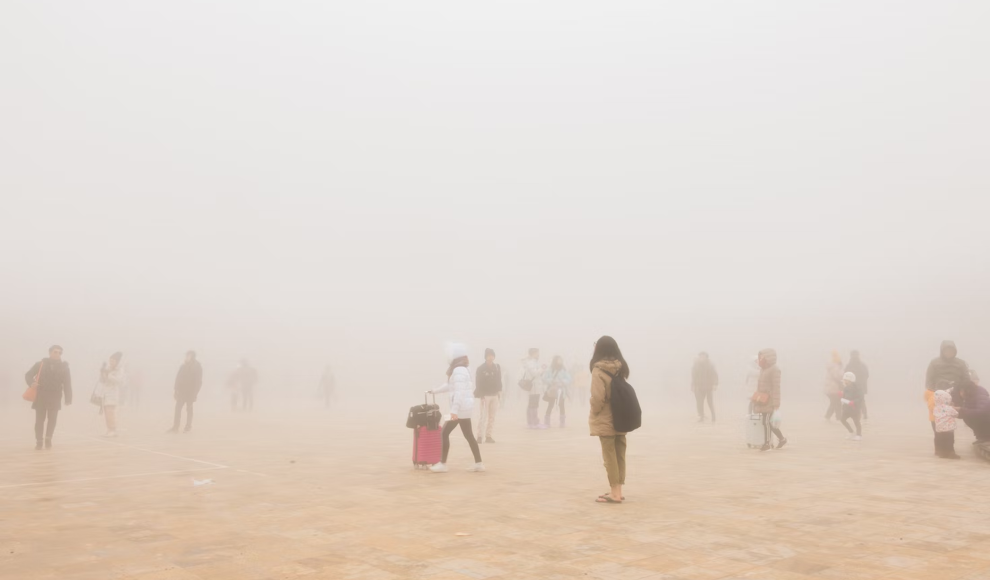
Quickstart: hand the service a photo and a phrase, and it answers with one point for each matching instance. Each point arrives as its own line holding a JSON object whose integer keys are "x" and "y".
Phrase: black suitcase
{"x": 425, "y": 415}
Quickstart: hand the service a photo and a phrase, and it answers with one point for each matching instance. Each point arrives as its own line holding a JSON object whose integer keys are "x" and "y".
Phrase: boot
{"x": 37, "y": 446}
{"x": 48, "y": 443}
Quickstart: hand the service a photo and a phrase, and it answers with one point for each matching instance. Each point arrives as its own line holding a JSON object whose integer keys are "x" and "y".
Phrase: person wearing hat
{"x": 852, "y": 405}
{"x": 488, "y": 391}
{"x": 461, "y": 405}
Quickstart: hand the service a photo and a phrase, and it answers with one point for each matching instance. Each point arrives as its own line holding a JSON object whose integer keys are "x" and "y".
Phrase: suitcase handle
{"x": 426, "y": 400}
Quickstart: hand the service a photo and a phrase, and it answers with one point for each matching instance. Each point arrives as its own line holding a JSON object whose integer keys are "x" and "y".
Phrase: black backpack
{"x": 627, "y": 415}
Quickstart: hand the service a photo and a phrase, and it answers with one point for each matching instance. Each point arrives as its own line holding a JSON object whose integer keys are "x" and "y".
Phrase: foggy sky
{"x": 306, "y": 183}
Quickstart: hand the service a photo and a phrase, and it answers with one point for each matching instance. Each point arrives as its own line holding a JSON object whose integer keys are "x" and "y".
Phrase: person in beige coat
{"x": 769, "y": 387}
{"x": 606, "y": 363}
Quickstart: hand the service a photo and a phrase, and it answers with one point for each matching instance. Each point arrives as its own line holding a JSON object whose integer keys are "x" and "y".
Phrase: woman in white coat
{"x": 461, "y": 404}
{"x": 109, "y": 386}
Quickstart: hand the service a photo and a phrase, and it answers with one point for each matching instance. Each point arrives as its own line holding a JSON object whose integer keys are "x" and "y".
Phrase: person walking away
{"x": 704, "y": 382}
{"x": 461, "y": 405}
{"x": 974, "y": 410}
{"x": 188, "y": 382}
{"x": 328, "y": 386}
{"x": 833, "y": 386}
{"x": 945, "y": 425}
{"x": 487, "y": 392}
{"x": 533, "y": 377}
{"x": 768, "y": 389}
{"x": 247, "y": 378}
{"x": 54, "y": 382}
{"x": 607, "y": 362}
{"x": 110, "y": 387}
{"x": 857, "y": 367}
{"x": 558, "y": 382}
{"x": 947, "y": 367}
{"x": 852, "y": 400}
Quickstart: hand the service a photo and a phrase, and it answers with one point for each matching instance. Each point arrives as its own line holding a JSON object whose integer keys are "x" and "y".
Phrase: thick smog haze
{"x": 362, "y": 184}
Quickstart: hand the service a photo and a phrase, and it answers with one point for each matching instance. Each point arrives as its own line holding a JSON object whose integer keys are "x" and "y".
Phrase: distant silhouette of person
{"x": 558, "y": 382}
{"x": 704, "y": 382}
{"x": 54, "y": 382}
{"x": 487, "y": 392}
{"x": 247, "y": 378}
{"x": 110, "y": 386}
{"x": 188, "y": 383}
{"x": 857, "y": 367}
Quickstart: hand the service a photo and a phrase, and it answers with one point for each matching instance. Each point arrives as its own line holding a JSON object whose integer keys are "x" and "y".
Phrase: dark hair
{"x": 193, "y": 353}
{"x": 117, "y": 355}
{"x": 533, "y": 351}
{"x": 457, "y": 362}
{"x": 53, "y": 347}
{"x": 606, "y": 348}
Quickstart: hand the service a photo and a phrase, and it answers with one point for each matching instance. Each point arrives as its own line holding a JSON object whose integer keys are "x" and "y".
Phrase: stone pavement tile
{"x": 168, "y": 574}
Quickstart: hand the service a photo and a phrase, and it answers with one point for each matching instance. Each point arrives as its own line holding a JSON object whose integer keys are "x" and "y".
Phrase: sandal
{"x": 606, "y": 499}
{"x": 609, "y": 494}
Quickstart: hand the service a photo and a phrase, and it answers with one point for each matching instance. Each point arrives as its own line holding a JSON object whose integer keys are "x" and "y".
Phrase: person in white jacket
{"x": 108, "y": 389}
{"x": 461, "y": 404}
{"x": 533, "y": 378}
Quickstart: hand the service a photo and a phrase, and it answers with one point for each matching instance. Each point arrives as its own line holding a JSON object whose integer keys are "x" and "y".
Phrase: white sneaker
{"x": 857, "y": 438}
{"x": 439, "y": 468}
{"x": 477, "y": 467}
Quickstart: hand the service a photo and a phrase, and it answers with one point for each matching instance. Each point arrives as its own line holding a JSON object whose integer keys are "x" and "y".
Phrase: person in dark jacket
{"x": 975, "y": 409}
{"x": 487, "y": 392}
{"x": 857, "y": 367}
{"x": 188, "y": 382}
{"x": 54, "y": 383}
{"x": 947, "y": 367}
{"x": 852, "y": 402}
{"x": 704, "y": 381}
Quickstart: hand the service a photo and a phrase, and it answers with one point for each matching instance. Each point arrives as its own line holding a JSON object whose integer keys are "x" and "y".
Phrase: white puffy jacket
{"x": 461, "y": 389}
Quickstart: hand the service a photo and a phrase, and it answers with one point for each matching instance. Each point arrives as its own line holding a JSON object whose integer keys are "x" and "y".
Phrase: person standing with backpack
{"x": 487, "y": 392}
{"x": 609, "y": 368}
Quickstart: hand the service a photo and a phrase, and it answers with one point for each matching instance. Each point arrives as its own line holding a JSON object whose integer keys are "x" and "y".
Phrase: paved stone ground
{"x": 334, "y": 496}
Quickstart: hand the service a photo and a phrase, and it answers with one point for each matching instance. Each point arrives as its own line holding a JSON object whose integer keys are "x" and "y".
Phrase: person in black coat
{"x": 857, "y": 367}
{"x": 187, "y": 385}
{"x": 54, "y": 382}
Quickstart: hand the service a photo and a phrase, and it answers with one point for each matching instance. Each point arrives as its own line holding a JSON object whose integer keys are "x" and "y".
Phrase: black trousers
{"x": 39, "y": 423}
{"x": 700, "y": 394}
{"x": 854, "y": 415}
{"x": 559, "y": 401}
{"x": 468, "y": 432}
{"x": 178, "y": 414}
{"x": 769, "y": 429}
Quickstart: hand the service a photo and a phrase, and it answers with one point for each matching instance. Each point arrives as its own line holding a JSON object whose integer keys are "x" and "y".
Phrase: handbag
{"x": 526, "y": 384}
{"x": 760, "y": 398}
{"x": 31, "y": 393}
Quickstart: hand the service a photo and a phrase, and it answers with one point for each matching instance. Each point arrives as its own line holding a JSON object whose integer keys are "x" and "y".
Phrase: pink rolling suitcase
{"x": 424, "y": 420}
{"x": 427, "y": 446}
